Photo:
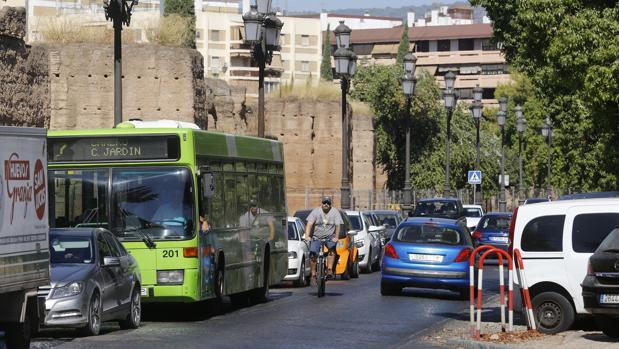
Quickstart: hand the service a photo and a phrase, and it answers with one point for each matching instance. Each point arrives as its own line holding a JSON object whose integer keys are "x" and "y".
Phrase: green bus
{"x": 153, "y": 188}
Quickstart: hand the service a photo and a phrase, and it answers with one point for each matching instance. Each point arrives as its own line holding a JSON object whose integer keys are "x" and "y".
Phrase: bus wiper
{"x": 148, "y": 241}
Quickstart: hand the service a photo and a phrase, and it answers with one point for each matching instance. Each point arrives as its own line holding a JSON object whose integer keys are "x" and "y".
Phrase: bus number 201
{"x": 170, "y": 253}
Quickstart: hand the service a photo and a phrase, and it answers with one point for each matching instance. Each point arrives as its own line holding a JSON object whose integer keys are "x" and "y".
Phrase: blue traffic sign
{"x": 474, "y": 177}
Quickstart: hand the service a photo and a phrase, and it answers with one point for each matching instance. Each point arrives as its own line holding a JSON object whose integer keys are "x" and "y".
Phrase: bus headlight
{"x": 170, "y": 277}
{"x": 292, "y": 255}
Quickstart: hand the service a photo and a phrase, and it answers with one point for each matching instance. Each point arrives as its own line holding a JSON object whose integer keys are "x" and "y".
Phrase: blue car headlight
{"x": 72, "y": 289}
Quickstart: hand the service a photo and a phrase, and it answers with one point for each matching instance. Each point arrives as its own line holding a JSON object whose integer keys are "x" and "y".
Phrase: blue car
{"x": 427, "y": 253}
{"x": 493, "y": 229}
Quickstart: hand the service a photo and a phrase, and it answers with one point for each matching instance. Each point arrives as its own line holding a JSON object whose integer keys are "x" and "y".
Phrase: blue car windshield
{"x": 70, "y": 249}
{"x": 429, "y": 234}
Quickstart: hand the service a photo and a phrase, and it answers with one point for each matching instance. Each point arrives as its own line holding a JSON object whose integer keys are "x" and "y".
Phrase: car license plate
{"x": 144, "y": 292}
{"x": 425, "y": 257}
{"x": 499, "y": 239}
{"x": 609, "y": 299}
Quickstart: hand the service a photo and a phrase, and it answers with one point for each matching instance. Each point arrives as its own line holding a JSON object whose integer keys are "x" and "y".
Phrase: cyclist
{"x": 326, "y": 221}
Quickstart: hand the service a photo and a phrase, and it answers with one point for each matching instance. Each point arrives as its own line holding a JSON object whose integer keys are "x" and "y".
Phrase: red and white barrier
{"x": 472, "y": 285}
{"x": 510, "y": 266}
{"x": 526, "y": 297}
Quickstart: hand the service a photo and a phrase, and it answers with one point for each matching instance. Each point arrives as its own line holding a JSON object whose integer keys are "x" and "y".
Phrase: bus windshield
{"x": 157, "y": 202}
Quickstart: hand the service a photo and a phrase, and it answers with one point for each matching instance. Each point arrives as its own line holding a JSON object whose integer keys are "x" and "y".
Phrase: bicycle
{"x": 321, "y": 276}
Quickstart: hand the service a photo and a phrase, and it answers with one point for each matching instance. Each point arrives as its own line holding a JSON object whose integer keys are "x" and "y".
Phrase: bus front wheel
{"x": 260, "y": 295}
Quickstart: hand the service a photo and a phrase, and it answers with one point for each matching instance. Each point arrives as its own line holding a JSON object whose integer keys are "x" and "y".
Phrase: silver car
{"x": 93, "y": 279}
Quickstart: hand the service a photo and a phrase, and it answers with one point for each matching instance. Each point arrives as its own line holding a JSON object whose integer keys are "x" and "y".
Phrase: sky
{"x": 317, "y": 5}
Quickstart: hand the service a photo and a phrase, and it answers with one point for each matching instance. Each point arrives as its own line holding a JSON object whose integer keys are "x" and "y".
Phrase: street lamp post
{"x": 501, "y": 121}
{"x": 262, "y": 32}
{"x": 450, "y": 98}
{"x": 547, "y": 132}
{"x": 476, "y": 112}
{"x": 345, "y": 67}
{"x": 521, "y": 124}
{"x": 409, "y": 83}
{"x": 119, "y": 12}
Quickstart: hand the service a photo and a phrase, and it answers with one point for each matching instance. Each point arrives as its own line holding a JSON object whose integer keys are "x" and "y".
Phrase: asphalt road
{"x": 352, "y": 314}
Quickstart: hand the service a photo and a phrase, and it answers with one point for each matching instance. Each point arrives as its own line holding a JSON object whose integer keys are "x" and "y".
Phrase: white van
{"x": 556, "y": 240}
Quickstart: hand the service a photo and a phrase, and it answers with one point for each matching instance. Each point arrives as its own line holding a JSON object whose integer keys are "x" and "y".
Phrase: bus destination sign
{"x": 113, "y": 149}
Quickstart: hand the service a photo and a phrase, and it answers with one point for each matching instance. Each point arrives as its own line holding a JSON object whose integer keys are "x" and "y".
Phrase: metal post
{"x": 477, "y": 159}
{"x": 502, "y": 203}
{"x": 447, "y": 188}
{"x": 261, "y": 66}
{"x": 118, "y": 71}
{"x": 520, "y": 181}
{"x": 407, "y": 168}
{"x": 549, "y": 187}
{"x": 345, "y": 145}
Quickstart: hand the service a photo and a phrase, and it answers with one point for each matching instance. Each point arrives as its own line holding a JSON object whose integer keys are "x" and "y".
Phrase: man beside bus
{"x": 327, "y": 222}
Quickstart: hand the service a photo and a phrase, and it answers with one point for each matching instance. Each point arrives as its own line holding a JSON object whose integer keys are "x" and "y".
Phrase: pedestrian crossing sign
{"x": 474, "y": 177}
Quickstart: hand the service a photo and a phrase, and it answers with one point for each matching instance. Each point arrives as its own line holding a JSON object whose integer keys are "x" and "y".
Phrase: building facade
{"x": 219, "y": 37}
{"x": 467, "y": 50}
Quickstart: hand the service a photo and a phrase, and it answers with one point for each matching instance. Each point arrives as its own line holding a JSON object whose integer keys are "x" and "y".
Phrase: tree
{"x": 326, "y": 73}
{"x": 569, "y": 50}
{"x": 404, "y": 46}
{"x": 380, "y": 87}
{"x": 185, "y": 9}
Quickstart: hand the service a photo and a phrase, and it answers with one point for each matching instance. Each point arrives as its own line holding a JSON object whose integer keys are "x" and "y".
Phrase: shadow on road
{"x": 600, "y": 337}
{"x": 327, "y": 294}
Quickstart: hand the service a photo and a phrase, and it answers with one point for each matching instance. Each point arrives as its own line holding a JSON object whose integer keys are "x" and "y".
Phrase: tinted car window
{"x": 429, "y": 234}
{"x": 104, "y": 248}
{"x": 438, "y": 208}
{"x": 590, "y": 229}
{"x": 543, "y": 234}
{"x": 611, "y": 243}
{"x": 292, "y": 234}
{"x": 356, "y": 222}
{"x": 495, "y": 223}
{"x": 472, "y": 212}
{"x": 116, "y": 252}
{"x": 70, "y": 249}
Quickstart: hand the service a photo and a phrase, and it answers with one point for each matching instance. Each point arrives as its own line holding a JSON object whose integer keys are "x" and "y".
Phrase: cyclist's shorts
{"x": 315, "y": 247}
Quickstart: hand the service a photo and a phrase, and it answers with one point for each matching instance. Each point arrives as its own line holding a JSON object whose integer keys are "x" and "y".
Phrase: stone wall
{"x": 158, "y": 83}
{"x": 24, "y": 79}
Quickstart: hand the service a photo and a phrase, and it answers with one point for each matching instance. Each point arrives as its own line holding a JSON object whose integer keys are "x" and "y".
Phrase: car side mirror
{"x": 352, "y": 233}
{"x": 111, "y": 261}
{"x": 207, "y": 179}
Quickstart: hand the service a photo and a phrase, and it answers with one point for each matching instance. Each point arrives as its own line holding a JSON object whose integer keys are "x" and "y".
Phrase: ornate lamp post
{"x": 262, "y": 32}
{"x": 547, "y": 132}
{"x": 450, "y": 98}
{"x": 476, "y": 112}
{"x": 521, "y": 124}
{"x": 409, "y": 83}
{"x": 501, "y": 121}
{"x": 345, "y": 67}
{"x": 119, "y": 12}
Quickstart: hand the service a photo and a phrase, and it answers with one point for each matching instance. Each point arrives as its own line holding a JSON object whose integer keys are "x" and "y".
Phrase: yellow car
{"x": 348, "y": 256}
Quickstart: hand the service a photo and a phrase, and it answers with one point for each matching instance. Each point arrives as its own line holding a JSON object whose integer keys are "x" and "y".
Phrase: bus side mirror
{"x": 208, "y": 182}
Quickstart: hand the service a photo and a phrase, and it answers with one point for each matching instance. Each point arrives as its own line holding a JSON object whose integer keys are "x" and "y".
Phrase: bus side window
{"x": 217, "y": 202}
{"x": 229, "y": 189}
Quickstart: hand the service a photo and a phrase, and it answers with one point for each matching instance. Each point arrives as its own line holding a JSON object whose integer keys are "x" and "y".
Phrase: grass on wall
{"x": 171, "y": 30}
{"x": 62, "y": 30}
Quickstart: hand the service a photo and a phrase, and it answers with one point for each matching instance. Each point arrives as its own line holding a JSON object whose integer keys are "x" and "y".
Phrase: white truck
{"x": 24, "y": 231}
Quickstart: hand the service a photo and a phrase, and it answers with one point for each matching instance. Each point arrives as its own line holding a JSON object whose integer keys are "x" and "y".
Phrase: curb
{"x": 471, "y": 344}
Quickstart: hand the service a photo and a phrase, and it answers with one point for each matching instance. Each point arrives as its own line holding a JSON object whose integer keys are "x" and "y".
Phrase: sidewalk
{"x": 456, "y": 334}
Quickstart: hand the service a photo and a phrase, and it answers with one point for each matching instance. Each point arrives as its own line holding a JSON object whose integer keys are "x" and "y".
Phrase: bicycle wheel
{"x": 320, "y": 276}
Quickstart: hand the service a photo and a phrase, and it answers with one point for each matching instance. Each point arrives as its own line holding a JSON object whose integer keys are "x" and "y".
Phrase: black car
{"x": 449, "y": 208}
{"x": 600, "y": 289}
